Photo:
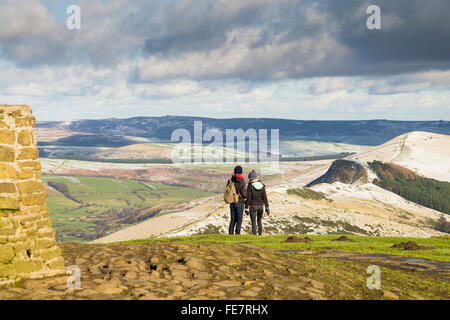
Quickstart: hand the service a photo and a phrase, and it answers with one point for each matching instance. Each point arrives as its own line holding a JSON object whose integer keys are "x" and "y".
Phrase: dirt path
{"x": 401, "y": 145}
{"x": 170, "y": 270}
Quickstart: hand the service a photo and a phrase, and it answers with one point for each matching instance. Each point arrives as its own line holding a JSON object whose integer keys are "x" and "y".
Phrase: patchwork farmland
{"x": 85, "y": 208}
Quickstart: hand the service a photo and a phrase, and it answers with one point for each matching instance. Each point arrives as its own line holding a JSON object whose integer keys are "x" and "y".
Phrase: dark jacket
{"x": 240, "y": 188}
{"x": 256, "y": 198}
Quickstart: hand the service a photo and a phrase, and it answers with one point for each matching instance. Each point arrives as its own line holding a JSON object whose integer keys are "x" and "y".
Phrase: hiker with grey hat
{"x": 256, "y": 200}
{"x": 235, "y": 194}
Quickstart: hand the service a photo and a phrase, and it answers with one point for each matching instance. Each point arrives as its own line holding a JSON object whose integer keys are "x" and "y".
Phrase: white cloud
{"x": 329, "y": 84}
{"x": 30, "y": 18}
{"x": 262, "y": 58}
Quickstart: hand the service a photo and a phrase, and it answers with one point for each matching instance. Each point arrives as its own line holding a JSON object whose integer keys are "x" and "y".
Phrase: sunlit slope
{"x": 425, "y": 153}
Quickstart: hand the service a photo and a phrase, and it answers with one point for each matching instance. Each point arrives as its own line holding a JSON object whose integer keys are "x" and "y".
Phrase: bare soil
{"x": 343, "y": 238}
{"x": 295, "y": 239}
{"x": 410, "y": 245}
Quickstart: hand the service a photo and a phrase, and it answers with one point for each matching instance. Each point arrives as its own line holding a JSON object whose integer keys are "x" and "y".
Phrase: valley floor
{"x": 247, "y": 267}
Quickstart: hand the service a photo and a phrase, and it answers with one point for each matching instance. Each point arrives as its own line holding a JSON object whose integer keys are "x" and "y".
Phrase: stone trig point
{"x": 28, "y": 248}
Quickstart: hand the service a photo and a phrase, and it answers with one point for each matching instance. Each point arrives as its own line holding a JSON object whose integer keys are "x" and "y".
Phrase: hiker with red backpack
{"x": 256, "y": 200}
{"x": 235, "y": 194}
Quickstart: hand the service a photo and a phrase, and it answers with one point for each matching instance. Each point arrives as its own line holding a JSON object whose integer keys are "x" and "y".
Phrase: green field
{"x": 90, "y": 207}
{"x": 364, "y": 244}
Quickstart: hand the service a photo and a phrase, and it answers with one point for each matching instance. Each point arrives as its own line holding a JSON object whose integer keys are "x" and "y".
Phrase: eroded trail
{"x": 170, "y": 270}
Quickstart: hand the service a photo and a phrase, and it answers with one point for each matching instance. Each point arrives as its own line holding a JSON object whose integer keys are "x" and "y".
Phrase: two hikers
{"x": 238, "y": 196}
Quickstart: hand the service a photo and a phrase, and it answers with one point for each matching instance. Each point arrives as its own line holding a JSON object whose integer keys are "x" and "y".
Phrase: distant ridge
{"x": 159, "y": 129}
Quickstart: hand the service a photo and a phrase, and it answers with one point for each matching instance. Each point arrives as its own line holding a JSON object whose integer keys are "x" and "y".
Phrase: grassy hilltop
{"x": 247, "y": 267}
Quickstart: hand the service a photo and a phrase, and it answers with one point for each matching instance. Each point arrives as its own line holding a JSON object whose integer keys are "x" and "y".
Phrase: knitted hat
{"x": 252, "y": 175}
{"x": 238, "y": 170}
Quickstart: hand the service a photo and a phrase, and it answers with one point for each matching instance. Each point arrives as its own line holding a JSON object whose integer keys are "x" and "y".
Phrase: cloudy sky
{"x": 298, "y": 59}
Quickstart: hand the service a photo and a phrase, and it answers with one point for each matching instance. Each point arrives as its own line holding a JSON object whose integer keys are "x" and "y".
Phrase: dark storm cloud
{"x": 253, "y": 39}
{"x": 414, "y": 36}
{"x": 202, "y": 25}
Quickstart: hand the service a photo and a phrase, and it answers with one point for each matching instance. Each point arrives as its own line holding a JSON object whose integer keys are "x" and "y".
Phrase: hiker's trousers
{"x": 256, "y": 214}
{"x": 236, "y": 212}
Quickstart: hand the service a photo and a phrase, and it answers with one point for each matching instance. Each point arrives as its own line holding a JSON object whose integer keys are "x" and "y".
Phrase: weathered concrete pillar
{"x": 28, "y": 248}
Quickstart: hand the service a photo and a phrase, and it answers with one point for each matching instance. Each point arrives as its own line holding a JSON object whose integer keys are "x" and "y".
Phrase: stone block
{"x": 38, "y": 209}
{"x": 7, "y": 154}
{"x": 27, "y": 267}
{"x": 44, "y": 223}
{"x": 3, "y": 239}
{"x": 7, "y": 172}
{"x": 33, "y": 199}
{"x": 31, "y": 230}
{"x": 44, "y": 243}
{"x": 6, "y": 254}
{"x": 7, "y": 187}
{"x": 16, "y": 238}
{"x": 25, "y": 122}
{"x": 9, "y": 203}
{"x": 26, "y": 173}
{"x": 6, "y": 223}
{"x": 7, "y": 136}
{"x": 7, "y": 270}
{"x": 6, "y": 212}
{"x": 30, "y": 186}
{"x": 46, "y": 233}
{"x": 7, "y": 232}
{"x": 28, "y": 218}
{"x": 32, "y": 164}
{"x": 28, "y": 153}
{"x": 50, "y": 253}
{"x": 56, "y": 263}
{"x": 25, "y": 137}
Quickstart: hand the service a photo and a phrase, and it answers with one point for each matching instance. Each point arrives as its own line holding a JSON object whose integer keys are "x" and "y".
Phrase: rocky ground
{"x": 170, "y": 270}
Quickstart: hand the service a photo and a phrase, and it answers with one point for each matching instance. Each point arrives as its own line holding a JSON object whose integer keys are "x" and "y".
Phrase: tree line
{"x": 427, "y": 192}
